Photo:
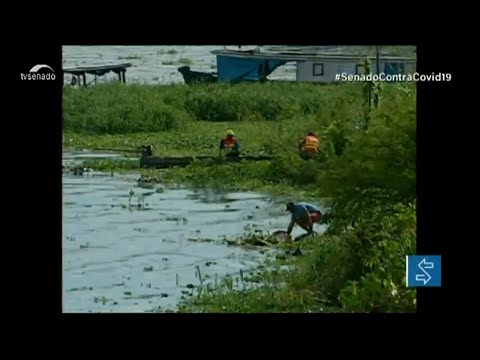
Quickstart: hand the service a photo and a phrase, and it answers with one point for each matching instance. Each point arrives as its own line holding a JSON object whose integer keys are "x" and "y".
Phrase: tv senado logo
{"x": 33, "y": 74}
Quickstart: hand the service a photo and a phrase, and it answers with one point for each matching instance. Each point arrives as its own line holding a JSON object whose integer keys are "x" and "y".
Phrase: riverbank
{"x": 366, "y": 176}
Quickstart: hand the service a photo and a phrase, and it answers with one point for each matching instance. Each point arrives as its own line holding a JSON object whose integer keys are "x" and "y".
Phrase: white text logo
{"x": 33, "y": 74}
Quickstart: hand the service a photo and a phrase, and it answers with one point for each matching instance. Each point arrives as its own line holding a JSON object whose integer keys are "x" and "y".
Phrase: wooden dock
{"x": 79, "y": 73}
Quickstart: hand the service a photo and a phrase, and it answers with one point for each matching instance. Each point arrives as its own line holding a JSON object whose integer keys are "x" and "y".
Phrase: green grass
{"x": 279, "y": 290}
{"x": 365, "y": 174}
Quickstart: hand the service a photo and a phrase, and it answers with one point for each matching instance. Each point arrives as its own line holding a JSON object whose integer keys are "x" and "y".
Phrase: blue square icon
{"x": 424, "y": 271}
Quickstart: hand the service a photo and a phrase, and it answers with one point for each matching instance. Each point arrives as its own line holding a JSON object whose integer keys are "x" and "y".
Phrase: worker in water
{"x": 229, "y": 144}
{"x": 309, "y": 146}
{"x": 304, "y": 215}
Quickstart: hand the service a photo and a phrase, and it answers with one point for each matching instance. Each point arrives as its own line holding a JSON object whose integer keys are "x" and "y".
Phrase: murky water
{"x": 153, "y": 64}
{"x": 122, "y": 257}
{"x": 75, "y": 157}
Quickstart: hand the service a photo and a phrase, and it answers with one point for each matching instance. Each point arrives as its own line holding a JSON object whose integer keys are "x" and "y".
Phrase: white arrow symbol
{"x": 426, "y": 265}
{"x": 425, "y": 277}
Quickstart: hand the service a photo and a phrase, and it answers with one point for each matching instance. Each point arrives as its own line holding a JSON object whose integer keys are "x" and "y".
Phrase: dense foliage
{"x": 116, "y": 109}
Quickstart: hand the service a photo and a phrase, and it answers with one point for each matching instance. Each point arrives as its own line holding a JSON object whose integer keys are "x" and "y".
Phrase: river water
{"x": 122, "y": 253}
{"x": 153, "y": 64}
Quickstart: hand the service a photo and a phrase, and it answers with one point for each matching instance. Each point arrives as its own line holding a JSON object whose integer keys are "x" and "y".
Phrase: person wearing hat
{"x": 308, "y": 147}
{"x": 230, "y": 144}
{"x": 304, "y": 215}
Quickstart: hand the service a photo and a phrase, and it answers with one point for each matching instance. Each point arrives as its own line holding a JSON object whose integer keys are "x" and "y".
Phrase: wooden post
{"x": 123, "y": 74}
{"x": 378, "y": 59}
{"x": 95, "y": 79}
{"x": 120, "y": 76}
{"x": 84, "y": 79}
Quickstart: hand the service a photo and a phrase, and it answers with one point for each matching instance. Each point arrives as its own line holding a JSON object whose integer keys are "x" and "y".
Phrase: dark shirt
{"x": 303, "y": 209}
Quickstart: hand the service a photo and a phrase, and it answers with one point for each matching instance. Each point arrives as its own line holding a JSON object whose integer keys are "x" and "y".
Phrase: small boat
{"x": 167, "y": 162}
{"x": 191, "y": 77}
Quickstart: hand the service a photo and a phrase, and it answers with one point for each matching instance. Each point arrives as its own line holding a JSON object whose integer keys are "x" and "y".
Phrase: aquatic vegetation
{"x": 185, "y": 61}
{"x": 116, "y": 109}
{"x": 130, "y": 57}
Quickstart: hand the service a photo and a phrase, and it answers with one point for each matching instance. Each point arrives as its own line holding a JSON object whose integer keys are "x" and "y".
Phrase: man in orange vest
{"x": 309, "y": 146}
{"x": 230, "y": 144}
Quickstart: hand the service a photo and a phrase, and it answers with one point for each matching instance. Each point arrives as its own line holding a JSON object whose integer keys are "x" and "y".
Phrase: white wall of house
{"x": 326, "y": 70}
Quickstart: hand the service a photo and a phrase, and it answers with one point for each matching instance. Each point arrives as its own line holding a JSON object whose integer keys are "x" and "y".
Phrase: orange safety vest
{"x": 311, "y": 144}
{"x": 229, "y": 142}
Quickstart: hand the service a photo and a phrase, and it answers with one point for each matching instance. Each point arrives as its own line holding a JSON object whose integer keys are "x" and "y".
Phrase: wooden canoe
{"x": 166, "y": 162}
